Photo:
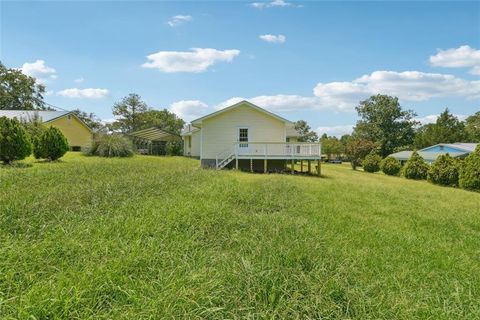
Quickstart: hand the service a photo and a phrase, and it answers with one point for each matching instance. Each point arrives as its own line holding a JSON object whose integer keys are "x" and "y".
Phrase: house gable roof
{"x": 45, "y": 116}
{"x": 460, "y": 146}
{"x": 198, "y": 122}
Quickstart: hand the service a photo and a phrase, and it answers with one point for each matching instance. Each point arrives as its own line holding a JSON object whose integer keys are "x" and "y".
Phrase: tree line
{"x": 385, "y": 127}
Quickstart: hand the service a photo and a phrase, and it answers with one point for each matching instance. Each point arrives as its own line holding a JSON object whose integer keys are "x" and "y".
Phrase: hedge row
{"x": 446, "y": 171}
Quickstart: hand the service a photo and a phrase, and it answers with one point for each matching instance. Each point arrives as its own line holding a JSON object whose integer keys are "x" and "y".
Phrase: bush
{"x": 174, "y": 148}
{"x": 15, "y": 142}
{"x": 112, "y": 145}
{"x": 371, "y": 163}
{"x": 391, "y": 166}
{"x": 469, "y": 177}
{"x": 444, "y": 171}
{"x": 357, "y": 149}
{"x": 416, "y": 167}
{"x": 50, "y": 145}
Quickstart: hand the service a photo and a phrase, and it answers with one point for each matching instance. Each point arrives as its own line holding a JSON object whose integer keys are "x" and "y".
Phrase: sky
{"x": 302, "y": 60}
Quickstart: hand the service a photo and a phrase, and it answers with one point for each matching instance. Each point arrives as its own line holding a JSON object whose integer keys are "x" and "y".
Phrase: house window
{"x": 288, "y": 139}
{"x": 243, "y": 137}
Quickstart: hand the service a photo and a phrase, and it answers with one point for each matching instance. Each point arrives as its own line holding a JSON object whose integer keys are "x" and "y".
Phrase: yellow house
{"x": 246, "y": 136}
{"x": 78, "y": 134}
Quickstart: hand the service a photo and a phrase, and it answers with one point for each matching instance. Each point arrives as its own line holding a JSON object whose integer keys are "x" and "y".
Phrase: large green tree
{"x": 472, "y": 127}
{"x": 163, "y": 119}
{"x": 331, "y": 146}
{"x": 19, "y": 91}
{"x": 384, "y": 122}
{"x": 305, "y": 131}
{"x": 128, "y": 112}
{"x": 447, "y": 129}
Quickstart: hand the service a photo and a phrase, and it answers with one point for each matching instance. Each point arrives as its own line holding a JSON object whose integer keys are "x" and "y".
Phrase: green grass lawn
{"x": 152, "y": 237}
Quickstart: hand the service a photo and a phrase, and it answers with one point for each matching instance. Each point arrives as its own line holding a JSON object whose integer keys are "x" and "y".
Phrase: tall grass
{"x": 151, "y": 237}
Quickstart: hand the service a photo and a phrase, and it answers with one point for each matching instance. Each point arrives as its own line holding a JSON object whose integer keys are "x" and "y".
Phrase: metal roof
{"x": 427, "y": 156}
{"x": 27, "y": 115}
{"x": 153, "y": 134}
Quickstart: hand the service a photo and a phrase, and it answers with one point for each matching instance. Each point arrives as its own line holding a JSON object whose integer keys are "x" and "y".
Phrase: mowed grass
{"x": 152, "y": 237}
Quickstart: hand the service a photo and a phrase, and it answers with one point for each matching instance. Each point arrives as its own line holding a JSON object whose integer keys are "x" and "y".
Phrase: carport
{"x": 153, "y": 140}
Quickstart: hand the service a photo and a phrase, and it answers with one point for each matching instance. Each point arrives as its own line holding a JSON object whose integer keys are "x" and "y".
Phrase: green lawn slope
{"x": 153, "y": 237}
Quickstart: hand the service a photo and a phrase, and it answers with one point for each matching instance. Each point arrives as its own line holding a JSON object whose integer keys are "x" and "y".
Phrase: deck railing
{"x": 277, "y": 149}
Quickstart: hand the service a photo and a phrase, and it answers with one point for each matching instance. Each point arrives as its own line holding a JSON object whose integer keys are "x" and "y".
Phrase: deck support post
{"x": 293, "y": 166}
{"x": 265, "y": 166}
{"x": 236, "y": 163}
{"x": 301, "y": 166}
{"x": 309, "y": 166}
{"x": 251, "y": 165}
{"x": 319, "y": 171}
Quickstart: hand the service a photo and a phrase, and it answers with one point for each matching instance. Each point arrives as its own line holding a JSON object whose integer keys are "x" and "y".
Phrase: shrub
{"x": 15, "y": 142}
{"x": 174, "y": 148}
{"x": 416, "y": 167}
{"x": 391, "y": 166}
{"x": 469, "y": 177}
{"x": 371, "y": 163}
{"x": 357, "y": 149}
{"x": 50, "y": 145}
{"x": 112, "y": 145}
{"x": 444, "y": 171}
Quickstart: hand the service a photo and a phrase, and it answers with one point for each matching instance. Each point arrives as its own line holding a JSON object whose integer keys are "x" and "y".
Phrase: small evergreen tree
{"x": 469, "y": 177}
{"x": 391, "y": 166}
{"x": 51, "y": 145}
{"x": 444, "y": 171}
{"x": 371, "y": 163}
{"x": 14, "y": 141}
{"x": 416, "y": 167}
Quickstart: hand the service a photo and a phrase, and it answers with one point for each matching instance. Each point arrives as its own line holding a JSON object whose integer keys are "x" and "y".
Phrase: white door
{"x": 243, "y": 140}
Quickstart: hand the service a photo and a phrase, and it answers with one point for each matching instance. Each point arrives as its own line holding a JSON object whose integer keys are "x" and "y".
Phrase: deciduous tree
{"x": 384, "y": 122}
{"x": 19, "y": 91}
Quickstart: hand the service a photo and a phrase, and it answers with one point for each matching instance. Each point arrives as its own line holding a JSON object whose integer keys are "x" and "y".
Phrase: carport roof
{"x": 152, "y": 134}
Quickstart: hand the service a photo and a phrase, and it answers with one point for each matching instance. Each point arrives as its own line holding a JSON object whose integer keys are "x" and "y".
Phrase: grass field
{"x": 152, "y": 237}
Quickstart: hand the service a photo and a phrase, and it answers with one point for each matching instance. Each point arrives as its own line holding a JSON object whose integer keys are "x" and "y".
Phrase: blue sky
{"x": 302, "y": 60}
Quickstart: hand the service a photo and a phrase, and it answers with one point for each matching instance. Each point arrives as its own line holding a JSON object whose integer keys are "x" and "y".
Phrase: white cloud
{"x": 189, "y": 109}
{"x": 275, "y": 103}
{"x": 89, "y": 93}
{"x": 408, "y": 86}
{"x": 461, "y": 57}
{"x": 274, "y": 3}
{"x": 39, "y": 70}
{"x": 79, "y": 80}
{"x": 345, "y": 96}
{"x": 273, "y": 38}
{"x": 337, "y": 131}
{"x": 196, "y": 60}
{"x": 178, "y": 20}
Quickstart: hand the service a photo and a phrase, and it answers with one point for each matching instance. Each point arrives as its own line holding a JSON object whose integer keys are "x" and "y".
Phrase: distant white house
{"x": 246, "y": 136}
{"x": 430, "y": 154}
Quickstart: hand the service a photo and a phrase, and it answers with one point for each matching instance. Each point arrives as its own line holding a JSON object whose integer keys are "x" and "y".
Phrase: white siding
{"x": 195, "y": 151}
{"x": 191, "y": 144}
{"x": 221, "y": 132}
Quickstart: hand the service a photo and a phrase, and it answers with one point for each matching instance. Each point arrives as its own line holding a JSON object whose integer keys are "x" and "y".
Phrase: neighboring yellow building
{"x": 246, "y": 136}
{"x": 78, "y": 134}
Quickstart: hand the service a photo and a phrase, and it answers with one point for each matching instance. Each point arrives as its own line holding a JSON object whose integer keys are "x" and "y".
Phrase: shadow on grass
{"x": 16, "y": 165}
